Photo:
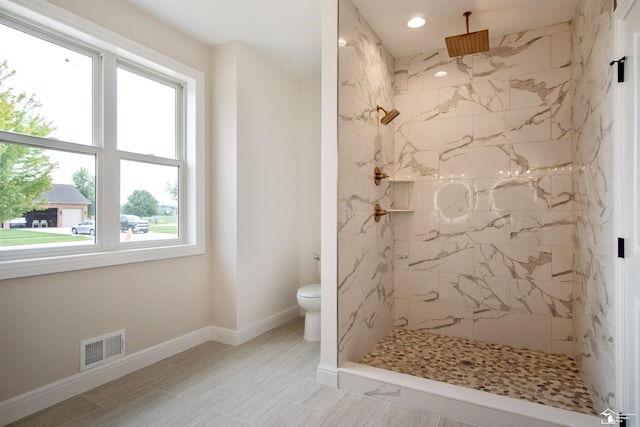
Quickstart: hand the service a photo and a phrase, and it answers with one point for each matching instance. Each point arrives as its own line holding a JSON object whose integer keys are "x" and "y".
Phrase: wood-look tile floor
{"x": 268, "y": 381}
{"x": 548, "y": 379}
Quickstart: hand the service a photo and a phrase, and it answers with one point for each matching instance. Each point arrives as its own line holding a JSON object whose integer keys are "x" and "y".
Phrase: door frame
{"x": 620, "y": 188}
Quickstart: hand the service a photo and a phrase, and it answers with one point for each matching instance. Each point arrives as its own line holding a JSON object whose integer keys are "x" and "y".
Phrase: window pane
{"x": 45, "y": 195}
{"x": 50, "y": 83}
{"x": 146, "y": 115}
{"x": 148, "y": 201}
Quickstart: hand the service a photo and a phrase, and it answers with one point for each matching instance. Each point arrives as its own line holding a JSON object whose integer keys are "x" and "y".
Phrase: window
{"x": 101, "y": 145}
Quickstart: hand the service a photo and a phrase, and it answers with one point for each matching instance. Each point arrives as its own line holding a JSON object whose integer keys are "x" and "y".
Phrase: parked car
{"x": 133, "y": 223}
{"x": 17, "y": 223}
{"x": 85, "y": 227}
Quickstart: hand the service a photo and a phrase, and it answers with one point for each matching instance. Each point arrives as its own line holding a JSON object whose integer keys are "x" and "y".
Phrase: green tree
{"x": 25, "y": 172}
{"x": 141, "y": 203}
{"x": 86, "y": 185}
{"x": 172, "y": 189}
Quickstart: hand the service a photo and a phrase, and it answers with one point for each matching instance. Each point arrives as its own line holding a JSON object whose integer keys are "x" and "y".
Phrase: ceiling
{"x": 288, "y": 31}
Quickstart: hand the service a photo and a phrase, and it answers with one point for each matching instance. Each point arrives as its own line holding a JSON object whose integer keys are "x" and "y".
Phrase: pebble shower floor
{"x": 548, "y": 379}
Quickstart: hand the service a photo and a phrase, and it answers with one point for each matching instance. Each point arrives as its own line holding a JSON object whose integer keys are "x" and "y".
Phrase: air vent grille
{"x": 98, "y": 350}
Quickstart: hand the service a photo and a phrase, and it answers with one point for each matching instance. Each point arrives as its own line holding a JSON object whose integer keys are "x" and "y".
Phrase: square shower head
{"x": 467, "y": 44}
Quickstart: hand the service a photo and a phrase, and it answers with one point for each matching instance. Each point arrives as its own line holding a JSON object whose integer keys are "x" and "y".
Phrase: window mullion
{"x": 108, "y": 167}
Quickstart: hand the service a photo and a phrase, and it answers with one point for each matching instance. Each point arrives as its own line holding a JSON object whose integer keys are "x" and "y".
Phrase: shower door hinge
{"x": 620, "y": 247}
{"x": 620, "y": 63}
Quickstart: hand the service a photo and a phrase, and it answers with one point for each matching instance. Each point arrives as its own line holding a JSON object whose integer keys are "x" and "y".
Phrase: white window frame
{"x": 108, "y": 250}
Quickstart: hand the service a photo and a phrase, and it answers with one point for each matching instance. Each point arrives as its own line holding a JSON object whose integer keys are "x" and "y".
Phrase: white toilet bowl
{"x": 309, "y": 299}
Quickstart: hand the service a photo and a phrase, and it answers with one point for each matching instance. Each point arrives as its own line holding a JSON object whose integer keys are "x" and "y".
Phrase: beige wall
{"x": 44, "y": 318}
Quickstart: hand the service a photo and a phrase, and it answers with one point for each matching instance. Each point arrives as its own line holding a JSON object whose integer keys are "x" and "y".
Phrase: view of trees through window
{"x": 50, "y": 150}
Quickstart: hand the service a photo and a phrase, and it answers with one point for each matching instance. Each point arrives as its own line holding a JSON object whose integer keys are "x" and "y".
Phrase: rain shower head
{"x": 388, "y": 115}
{"x": 467, "y": 44}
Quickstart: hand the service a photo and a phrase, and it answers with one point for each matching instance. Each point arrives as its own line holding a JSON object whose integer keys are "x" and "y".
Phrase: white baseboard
{"x": 35, "y": 400}
{"x": 327, "y": 375}
{"x": 237, "y": 337}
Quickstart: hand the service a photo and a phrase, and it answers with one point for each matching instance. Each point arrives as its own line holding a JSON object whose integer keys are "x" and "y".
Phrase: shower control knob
{"x": 378, "y": 176}
{"x": 378, "y": 212}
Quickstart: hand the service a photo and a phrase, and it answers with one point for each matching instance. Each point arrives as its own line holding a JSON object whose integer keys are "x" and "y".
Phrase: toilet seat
{"x": 309, "y": 291}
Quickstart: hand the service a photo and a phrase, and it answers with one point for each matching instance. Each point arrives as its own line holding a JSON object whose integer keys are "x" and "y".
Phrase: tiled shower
{"x": 503, "y": 163}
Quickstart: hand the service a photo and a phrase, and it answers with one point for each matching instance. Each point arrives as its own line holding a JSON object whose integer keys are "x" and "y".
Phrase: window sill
{"x": 13, "y": 269}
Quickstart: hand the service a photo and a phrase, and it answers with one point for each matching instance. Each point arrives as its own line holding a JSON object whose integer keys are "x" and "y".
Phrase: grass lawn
{"x": 14, "y": 237}
{"x": 168, "y": 229}
{"x": 164, "y": 224}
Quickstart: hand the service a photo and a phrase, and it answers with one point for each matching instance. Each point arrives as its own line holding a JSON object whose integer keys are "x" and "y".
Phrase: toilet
{"x": 309, "y": 300}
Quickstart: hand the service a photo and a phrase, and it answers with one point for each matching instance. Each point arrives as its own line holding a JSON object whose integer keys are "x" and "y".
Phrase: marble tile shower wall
{"x": 593, "y": 43}
{"x": 488, "y": 253}
{"x": 365, "y": 247}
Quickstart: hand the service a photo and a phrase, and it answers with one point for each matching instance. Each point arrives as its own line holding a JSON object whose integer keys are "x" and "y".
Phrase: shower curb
{"x": 460, "y": 403}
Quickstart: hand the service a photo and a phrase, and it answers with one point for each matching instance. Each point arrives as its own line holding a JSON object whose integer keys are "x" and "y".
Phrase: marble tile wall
{"x": 593, "y": 41}
{"x": 488, "y": 252}
{"x": 365, "y": 247}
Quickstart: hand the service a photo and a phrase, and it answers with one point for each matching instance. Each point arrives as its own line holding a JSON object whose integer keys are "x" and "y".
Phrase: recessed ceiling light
{"x": 416, "y": 22}
{"x": 440, "y": 74}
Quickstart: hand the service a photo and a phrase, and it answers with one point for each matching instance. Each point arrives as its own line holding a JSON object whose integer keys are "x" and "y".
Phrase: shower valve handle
{"x": 378, "y": 175}
{"x": 378, "y": 212}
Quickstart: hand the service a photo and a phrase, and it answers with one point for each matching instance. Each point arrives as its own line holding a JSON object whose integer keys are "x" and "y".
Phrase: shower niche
{"x": 400, "y": 194}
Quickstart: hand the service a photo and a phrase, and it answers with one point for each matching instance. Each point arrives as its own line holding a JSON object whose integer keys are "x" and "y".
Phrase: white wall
{"x": 224, "y": 183}
{"x": 309, "y": 180}
{"x": 268, "y": 105}
{"x": 257, "y": 179}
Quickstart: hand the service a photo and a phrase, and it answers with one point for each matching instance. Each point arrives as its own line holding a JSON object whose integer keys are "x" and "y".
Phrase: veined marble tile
{"x": 561, "y": 50}
{"x": 478, "y": 227}
{"x": 562, "y": 336}
{"x": 553, "y": 299}
{"x": 441, "y": 133}
{"x": 512, "y": 261}
{"x": 561, "y": 121}
{"x": 542, "y": 228}
{"x": 562, "y": 269}
{"x": 514, "y": 126}
{"x": 450, "y": 320}
{"x": 513, "y": 194}
{"x": 562, "y": 329}
{"x": 441, "y": 257}
{"x": 548, "y": 87}
{"x": 452, "y": 199}
{"x": 522, "y": 56}
{"x": 475, "y": 162}
{"x": 474, "y": 98}
{"x": 541, "y": 158}
{"x": 401, "y": 78}
{"x": 475, "y": 291}
{"x": 418, "y": 165}
{"x": 513, "y": 329}
{"x": 401, "y": 313}
{"x": 416, "y": 107}
{"x": 421, "y": 225}
{"x": 418, "y": 285}
{"x": 561, "y": 193}
{"x": 527, "y": 35}
{"x": 422, "y": 73}
{"x": 401, "y": 255}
